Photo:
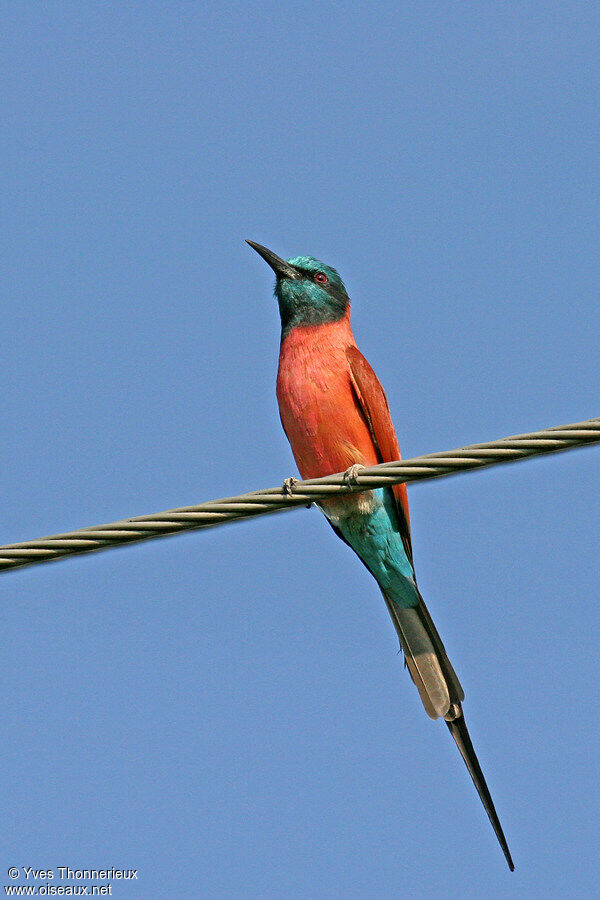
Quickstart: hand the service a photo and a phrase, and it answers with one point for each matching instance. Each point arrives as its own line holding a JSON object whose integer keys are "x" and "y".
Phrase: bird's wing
{"x": 374, "y": 407}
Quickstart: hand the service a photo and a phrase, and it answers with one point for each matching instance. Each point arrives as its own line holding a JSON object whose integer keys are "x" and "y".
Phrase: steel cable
{"x": 256, "y": 503}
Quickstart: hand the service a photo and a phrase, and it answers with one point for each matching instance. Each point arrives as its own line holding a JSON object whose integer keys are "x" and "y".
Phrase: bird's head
{"x": 308, "y": 291}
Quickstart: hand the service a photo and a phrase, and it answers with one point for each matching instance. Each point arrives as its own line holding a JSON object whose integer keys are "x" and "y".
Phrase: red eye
{"x": 321, "y": 278}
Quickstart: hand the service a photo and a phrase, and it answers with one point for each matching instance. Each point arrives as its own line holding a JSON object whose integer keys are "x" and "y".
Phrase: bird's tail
{"x": 426, "y": 659}
{"x": 441, "y": 693}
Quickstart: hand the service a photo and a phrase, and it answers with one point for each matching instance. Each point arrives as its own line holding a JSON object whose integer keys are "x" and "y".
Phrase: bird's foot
{"x": 289, "y": 484}
{"x": 351, "y": 475}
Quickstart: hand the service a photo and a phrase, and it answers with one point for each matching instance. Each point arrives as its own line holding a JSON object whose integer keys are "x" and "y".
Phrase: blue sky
{"x": 226, "y": 711}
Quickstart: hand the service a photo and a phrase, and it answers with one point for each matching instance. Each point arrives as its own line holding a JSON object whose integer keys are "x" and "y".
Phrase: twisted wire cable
{"x": 257, "y": 503}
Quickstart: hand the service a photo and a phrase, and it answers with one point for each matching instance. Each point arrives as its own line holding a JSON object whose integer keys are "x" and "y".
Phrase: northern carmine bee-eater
{"x": 336, "y": 417}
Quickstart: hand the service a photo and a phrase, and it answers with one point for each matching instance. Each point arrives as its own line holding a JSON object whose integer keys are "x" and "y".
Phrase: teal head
{"x": 308, "y": 291}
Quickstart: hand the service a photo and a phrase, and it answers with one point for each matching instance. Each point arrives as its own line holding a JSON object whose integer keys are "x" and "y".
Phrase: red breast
{"x": 318, "y": 409}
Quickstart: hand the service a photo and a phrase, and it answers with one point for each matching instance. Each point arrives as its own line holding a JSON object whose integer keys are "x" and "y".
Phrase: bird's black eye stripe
{"x": 320, "y": 277}
{"x": 337, "y": 293}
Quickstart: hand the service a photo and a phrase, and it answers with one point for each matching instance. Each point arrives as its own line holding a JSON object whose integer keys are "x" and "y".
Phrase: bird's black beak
{"x": 279, "y": 266}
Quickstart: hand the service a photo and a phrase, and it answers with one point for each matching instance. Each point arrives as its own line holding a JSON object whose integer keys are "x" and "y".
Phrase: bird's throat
{"x": 307, "y": 304}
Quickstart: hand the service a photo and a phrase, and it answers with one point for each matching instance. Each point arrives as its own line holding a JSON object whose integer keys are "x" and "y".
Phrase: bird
{"x": 336, "y": 417}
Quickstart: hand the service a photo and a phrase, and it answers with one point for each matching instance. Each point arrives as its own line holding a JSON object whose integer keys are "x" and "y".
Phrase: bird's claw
{"x": 289, "y": 484}
{"x": 351, "y": 475}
